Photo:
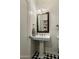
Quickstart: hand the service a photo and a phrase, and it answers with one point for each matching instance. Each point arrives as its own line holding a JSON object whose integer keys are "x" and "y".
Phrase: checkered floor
{"x": 46, "y": 56}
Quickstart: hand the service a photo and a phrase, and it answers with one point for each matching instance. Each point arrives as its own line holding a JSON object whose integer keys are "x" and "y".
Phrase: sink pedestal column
{"x": 41, "y": 49}
{"x": 41, "y": 39}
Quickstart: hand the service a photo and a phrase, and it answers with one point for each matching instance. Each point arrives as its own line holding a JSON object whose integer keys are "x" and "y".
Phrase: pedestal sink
{"x": 41, "y": 38}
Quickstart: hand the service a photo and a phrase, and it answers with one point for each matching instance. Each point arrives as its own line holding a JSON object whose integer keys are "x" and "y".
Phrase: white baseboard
{"x": 25, "y": 57}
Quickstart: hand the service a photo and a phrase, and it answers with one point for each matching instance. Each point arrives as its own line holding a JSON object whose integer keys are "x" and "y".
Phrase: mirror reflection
{"x": 43, "y": 22}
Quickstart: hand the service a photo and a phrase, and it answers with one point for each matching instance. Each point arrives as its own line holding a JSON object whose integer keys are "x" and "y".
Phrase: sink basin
{"x": 41, "y": 37}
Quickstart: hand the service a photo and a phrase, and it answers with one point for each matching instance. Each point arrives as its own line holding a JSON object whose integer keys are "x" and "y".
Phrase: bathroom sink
{"x": 41, "y": 37}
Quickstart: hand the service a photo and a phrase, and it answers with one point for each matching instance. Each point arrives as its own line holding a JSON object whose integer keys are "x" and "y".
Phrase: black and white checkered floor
{"x": 46, "y": 56}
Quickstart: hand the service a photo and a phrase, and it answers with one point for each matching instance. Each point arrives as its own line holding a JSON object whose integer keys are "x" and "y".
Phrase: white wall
{"x": 27, "y": 46}
{"x": 25, "y": 43}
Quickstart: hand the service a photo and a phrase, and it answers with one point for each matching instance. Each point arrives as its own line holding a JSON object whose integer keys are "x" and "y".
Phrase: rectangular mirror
{"x": 43, "y": 23}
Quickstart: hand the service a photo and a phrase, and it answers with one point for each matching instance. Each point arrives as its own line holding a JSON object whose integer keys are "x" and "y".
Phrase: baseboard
{"x": 25, "y": 57}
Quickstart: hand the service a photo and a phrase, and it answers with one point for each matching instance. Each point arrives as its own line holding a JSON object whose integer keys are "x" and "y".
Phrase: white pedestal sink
{"x": 41, "y": 38}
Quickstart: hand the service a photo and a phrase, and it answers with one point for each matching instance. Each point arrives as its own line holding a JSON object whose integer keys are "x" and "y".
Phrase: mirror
{"x": 43, "y": 23}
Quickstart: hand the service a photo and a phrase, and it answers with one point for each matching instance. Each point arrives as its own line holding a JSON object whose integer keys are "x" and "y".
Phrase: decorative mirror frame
{"x": 46, "y": 31}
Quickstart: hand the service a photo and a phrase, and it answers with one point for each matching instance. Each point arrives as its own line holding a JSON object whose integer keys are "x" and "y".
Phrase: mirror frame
{"x": 47, "y": 23}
